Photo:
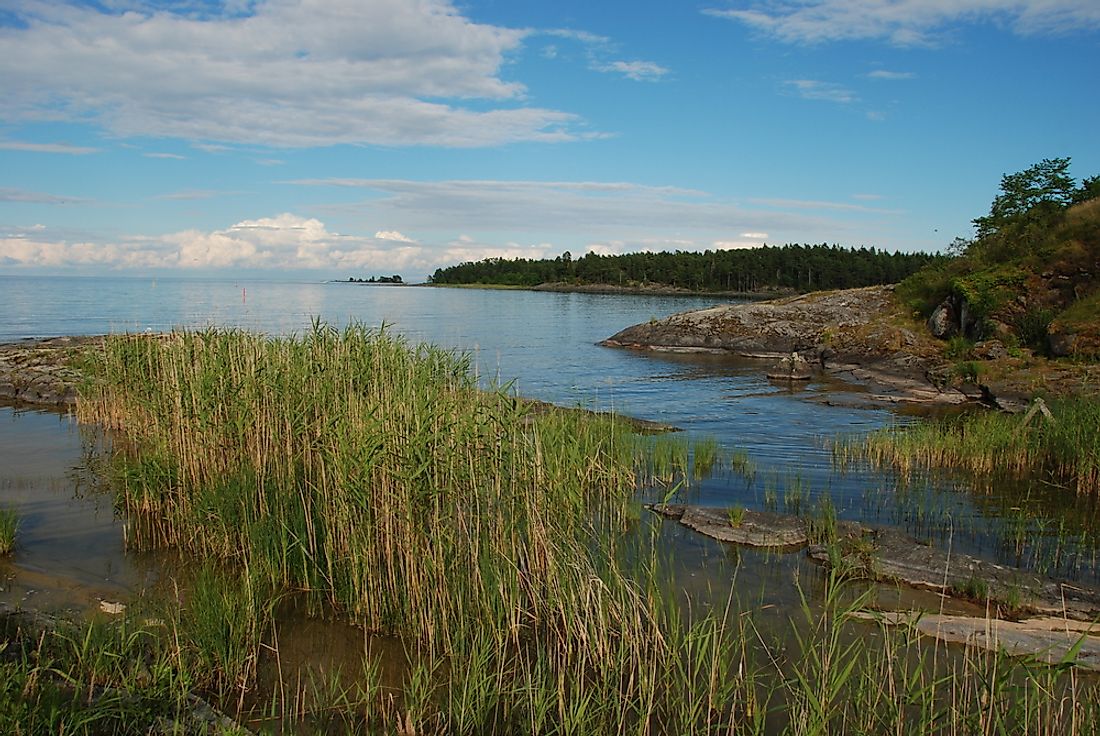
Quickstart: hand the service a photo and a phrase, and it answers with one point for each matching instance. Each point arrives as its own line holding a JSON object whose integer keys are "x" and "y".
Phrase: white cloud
{"x": 174, "y": 156}
{"x": 639, "y": 71}
{"x": 283, "y": 242}
{"x": 572, "y": 213}
{"x": 812, "y": 89}
{"x": 294, "y": 73}
{"x": 393, "y": 235}
{"x": 466, "y": 248}
{"x": 885, "y": 74}
{"x": 63, "y": 148}
{"x": 908, "y": 22}
{"x": 755, "y": 236}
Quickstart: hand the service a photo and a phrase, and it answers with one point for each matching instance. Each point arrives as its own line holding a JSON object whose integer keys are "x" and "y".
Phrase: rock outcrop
{"x": 39, "y": 372}
{"x": 855, "y": 332}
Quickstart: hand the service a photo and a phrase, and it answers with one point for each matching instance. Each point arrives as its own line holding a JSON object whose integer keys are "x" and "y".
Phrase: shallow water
{"x": 545, "y": 343}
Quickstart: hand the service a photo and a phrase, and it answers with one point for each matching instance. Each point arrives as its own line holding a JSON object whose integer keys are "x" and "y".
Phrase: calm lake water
{"x": 545, "y": 343}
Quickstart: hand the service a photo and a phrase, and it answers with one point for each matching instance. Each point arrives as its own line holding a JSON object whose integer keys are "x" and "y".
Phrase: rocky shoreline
{"x": 862, "y": 335}
{"x": 1026, "y": 613}
{"x": 40, "y": 372}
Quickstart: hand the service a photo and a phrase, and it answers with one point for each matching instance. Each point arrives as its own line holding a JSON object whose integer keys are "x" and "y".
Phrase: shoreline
{"x": 614, "y": 289}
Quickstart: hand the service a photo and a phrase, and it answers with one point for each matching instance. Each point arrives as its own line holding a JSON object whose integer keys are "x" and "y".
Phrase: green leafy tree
{"x": 1031, "y": 196}
{"x": 1089, "y": 189}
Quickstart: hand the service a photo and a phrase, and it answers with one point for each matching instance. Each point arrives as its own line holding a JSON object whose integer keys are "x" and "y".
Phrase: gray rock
{"x": 1061, "y": 343}
{"x": 791, "y": 368}
{"x": 944, "y": 322}
{"x": 753, "y": 528}
{"x": 990, "y": 350}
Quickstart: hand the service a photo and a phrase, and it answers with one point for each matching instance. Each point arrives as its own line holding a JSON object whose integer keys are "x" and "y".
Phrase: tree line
{"x": 768, "y": 268}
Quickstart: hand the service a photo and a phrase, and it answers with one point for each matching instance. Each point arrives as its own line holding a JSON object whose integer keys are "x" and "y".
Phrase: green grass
{"x": 9, "y": 526}
{"x": 370, "y": 472}
{"x": 1066, "y": 449}
{"x": 378, "y": 483}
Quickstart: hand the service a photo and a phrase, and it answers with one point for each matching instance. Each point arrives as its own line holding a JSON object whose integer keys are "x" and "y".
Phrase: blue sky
{"x": 335, "y": 138}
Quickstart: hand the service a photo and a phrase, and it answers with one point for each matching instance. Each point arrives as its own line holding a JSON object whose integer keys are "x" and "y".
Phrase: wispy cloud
{"x": 812, "y": 89}
{"x": 193, "y": 194}
{"x": 9, "y": 194}
{"x": 173, "y": 156}
{"x": 809, "y": 204}
{"x": 908, "y": 22}
{"x": 293, "y": 74}
{"x": 885, "y": 74}
{"x": 639, "y": 71}
{"x": 62, "y": 148}
{"x": 586, "y": 210}
{"x": 600, "y": 52}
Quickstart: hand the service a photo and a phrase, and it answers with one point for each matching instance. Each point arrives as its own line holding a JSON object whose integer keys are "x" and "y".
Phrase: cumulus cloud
{"x": 907, "y": 22}
{"x": 282, "y": 242}
{"x": 285, "y": 242}
{"x": 393, "y": 235}
{"x": 293, "y": 73}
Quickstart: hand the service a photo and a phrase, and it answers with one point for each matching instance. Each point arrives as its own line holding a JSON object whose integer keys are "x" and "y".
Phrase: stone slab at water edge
{"x": 38, "y": 371}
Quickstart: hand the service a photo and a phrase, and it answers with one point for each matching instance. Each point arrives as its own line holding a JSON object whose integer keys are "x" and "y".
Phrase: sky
{"x": 318, "y": 139}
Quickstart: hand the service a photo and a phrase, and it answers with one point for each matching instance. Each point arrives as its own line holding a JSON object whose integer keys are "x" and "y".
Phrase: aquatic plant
{"x": 376, "y": 481}
{"x": 1066, "y": 448}
{"x": 371, "y": 472}
{"x": 9, "y": 526}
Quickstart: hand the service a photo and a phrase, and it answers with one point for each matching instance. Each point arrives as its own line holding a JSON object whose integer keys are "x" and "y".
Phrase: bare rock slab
{"x": 753, "y": 528}
{"x": 1049, "y": 640}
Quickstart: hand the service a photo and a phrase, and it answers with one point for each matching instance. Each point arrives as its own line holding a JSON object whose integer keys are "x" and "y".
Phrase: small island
{"x": 394, "y": 279}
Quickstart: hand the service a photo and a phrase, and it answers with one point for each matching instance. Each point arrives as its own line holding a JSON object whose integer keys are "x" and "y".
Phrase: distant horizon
{"x": 150, "y": 137}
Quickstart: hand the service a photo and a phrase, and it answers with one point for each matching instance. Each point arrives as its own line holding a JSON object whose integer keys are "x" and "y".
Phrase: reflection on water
{"x": 69, "y": 551}
{"x": 546, "y": 342}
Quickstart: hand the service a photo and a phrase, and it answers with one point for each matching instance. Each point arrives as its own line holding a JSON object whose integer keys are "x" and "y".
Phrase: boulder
{"x": 944, "y": 322}
{"x": 792, "y": 367}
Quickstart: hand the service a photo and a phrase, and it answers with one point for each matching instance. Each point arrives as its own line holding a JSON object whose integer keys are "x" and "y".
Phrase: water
{"x": 544, "y": 342}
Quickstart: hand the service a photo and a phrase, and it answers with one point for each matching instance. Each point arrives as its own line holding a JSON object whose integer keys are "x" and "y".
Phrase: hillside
{"x": 1029, "y": 279}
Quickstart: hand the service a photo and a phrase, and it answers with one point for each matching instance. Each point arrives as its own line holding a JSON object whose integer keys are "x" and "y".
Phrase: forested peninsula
{"x": 787, "y": 268}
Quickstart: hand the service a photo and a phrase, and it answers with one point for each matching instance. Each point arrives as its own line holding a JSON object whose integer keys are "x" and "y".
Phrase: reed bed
{"x": 1066, "y": 448}
{"x": 721, "y": 673}
{"x": 376, "y": 479}
{"x": 373, "y": 473}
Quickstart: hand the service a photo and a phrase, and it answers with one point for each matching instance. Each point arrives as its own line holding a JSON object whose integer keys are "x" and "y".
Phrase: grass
{"x": 371, "y": 473}
{"x": 9, "y": 526}
{"x": 1066, "y": 449}
{"x": 375, "y": 480}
